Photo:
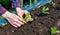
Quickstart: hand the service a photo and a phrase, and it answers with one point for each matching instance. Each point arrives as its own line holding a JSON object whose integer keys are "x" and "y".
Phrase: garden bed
{"x": 40, "y": 26}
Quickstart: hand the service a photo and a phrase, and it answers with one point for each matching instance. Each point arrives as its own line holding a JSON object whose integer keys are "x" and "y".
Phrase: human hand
{"x": 21, "y": 12}
{"x": 13, "y": 19}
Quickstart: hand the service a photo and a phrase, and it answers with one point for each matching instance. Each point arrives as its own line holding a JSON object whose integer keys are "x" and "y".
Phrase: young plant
{"x": 45, "y": 10}
{"x": 54, "y": 30}
{"x": 53, "y": 4}
{"x": 27, "y": 17}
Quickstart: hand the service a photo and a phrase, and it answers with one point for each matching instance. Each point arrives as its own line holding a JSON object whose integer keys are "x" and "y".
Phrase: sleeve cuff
{"x": 2, "y": 10}
{"x": 15, "y": 3}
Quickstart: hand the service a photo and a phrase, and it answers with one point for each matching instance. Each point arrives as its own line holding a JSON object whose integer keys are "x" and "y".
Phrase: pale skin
{"x": 16, "y": 20}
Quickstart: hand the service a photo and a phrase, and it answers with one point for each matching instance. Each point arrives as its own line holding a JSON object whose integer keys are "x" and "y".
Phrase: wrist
{"x": 2, "y": 10}
{"x": 5, "y": 14}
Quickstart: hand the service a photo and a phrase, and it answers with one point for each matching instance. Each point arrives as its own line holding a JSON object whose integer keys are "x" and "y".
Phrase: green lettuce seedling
{"x": 54, "y": 30}
{"x": 27, "y": 17}
{"x": 45, "y": 10}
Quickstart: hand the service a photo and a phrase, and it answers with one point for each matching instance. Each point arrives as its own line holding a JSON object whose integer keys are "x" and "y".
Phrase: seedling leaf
{"x": 45, "y": 10}
{"x": 27, "y": 17}
{"x": 58, "y": 31}
{"x": 54, "y": 30}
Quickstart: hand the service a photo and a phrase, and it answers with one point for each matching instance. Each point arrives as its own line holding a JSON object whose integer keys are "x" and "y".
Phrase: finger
{"x": 19, "y": 10}
{"x": 21, "y": 23}
{"x": 20, "y": 19}
{"x": 25, "y": 11}
{"x": 20, "y": 16}
{"x": 14, "y": 25}
{"x": 17, "y": 24}
{"x": 11, "y": 22}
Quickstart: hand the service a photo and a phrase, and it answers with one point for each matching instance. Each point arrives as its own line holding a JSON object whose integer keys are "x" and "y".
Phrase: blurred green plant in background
{"x": 6, "y": 3}
{"x": 53, "y": 4}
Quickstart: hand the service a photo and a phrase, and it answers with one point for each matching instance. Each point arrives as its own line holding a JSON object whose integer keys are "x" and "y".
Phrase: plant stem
{"x": 21, "y": 3}
{"x": 30, "y": 2}
{"x": 35, "y": 1}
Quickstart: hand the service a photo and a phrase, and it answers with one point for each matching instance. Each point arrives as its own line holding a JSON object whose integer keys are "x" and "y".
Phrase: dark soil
{"x": 41, "y": 24}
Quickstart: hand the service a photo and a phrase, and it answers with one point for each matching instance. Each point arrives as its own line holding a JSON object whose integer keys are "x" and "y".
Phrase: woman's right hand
{"x": 13, "y": 19}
